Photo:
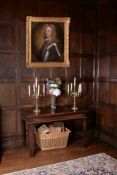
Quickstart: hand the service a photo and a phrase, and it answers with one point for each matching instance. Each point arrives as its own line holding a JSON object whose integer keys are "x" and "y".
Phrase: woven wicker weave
{"x": 53, "y": 140}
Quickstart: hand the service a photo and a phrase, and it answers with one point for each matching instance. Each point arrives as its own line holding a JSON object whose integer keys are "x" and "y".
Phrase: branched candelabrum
{"x": 75, "y": 91}
{"x": 36, "y": 94}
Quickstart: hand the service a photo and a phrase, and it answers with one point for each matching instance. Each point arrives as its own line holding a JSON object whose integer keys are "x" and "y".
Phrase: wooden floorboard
{"x": 18, "y": 159}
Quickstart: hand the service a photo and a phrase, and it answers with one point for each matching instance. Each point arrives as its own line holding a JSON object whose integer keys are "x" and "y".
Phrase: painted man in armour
{"x": 50, "y": 50}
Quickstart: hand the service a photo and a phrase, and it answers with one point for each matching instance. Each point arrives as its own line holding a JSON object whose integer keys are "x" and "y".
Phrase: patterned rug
{"x": 98, "y": 164}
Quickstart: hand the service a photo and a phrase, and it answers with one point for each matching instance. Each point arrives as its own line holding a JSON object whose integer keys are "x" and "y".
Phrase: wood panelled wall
{"x": 107, "y": 70}
{"x": 15, "y": 77}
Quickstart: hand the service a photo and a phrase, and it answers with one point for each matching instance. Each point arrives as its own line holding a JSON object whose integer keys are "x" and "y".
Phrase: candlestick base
{"x": 36, "y": 111}
{"x": 74, "y": 108}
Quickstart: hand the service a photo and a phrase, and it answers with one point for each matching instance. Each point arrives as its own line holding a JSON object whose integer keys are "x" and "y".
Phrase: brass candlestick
{"x": 74, "y": 94}
{"x": 35, "y": 91}
{"x": 71, "y": 90}
{"x": 36, "y": 98}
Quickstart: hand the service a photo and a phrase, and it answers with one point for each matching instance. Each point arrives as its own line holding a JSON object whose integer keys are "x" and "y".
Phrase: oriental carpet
{"x": 98, "y": 164}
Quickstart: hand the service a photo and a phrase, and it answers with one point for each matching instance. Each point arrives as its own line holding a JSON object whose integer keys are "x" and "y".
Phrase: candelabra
{"x": 36, "y": 94}
{"x": 71, "y": 90}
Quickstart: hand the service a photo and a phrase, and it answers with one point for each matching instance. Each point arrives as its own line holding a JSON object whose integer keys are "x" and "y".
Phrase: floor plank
{"x": 18, "y": 159}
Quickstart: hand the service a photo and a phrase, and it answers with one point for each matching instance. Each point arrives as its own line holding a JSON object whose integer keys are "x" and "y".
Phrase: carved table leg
{"x": 85, "y": 138}
{"x": 84, "y": 128}
{"x": 23, "y": 125}
{"x": 31, "y": 139}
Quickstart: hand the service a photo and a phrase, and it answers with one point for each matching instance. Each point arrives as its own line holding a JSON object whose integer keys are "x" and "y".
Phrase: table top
{"x": 47, "y": 115}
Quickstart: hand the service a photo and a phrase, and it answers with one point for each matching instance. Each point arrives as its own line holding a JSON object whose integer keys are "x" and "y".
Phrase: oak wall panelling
{"x": 15, "y": 77}
{"x": 113, "y": 67}
{"x": 106, "y": 70}
{"x": 113, "y": 40}
{"x": 103, "y": 67}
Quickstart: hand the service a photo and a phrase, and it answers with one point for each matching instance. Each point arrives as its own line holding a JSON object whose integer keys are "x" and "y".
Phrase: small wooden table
{"x": 63, "y": 113}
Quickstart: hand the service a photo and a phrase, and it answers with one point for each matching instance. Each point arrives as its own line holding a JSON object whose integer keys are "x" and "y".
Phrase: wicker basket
{"x": 53, "y": 140}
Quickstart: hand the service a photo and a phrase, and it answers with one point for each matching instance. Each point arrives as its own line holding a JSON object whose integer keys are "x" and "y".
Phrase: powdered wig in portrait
{"x": 54, "y": 35}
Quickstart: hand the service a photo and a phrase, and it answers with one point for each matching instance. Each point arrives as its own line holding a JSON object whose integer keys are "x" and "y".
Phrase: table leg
{"x": 85, "y": 138}
{"x": 23, "y": 125}
{"x": 84, "y": 128}
{"x": 31, "y": 139}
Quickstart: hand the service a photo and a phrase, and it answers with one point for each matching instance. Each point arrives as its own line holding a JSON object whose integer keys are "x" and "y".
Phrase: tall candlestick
{"x": 35, "y": 88}
{"x": 29, "y": 91}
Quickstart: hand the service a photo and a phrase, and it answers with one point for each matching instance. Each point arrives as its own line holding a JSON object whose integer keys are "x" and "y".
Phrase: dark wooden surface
{"x": 106, "y": 81}
{"x": 18, "y": 159}
{"x": 63, "y": 113}
{"x": 46, "y": 113}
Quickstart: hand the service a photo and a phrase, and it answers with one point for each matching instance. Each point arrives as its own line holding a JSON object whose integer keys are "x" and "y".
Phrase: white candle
{"x": 68, "y": 88}
{"x": 43, "y": 88}
{"x": 34, "y": 88}
{"x": 74, "y": 81}
{"x": 80, "y": 88}
{"x": 38, "y": 89}
{"x": 29, "y": 91}
{"x": 36, "y": 82}
{"x": 71, "y": 87}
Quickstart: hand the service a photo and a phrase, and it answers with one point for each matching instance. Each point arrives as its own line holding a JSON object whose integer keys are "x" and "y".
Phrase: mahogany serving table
{"x": 63, "y": 113}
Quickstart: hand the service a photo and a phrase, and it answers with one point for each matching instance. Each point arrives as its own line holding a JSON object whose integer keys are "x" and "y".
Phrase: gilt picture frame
{"x": 47, "y": 42}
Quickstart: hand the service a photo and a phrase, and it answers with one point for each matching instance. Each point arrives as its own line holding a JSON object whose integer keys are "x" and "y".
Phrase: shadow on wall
{"x": 1, "y": 135}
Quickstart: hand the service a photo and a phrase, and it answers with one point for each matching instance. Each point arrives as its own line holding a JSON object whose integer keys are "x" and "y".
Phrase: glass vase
{"x": 53, "y": 102}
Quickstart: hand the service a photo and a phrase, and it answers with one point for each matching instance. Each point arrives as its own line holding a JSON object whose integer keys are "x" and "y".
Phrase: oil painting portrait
{"x": 47, "y": 42}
